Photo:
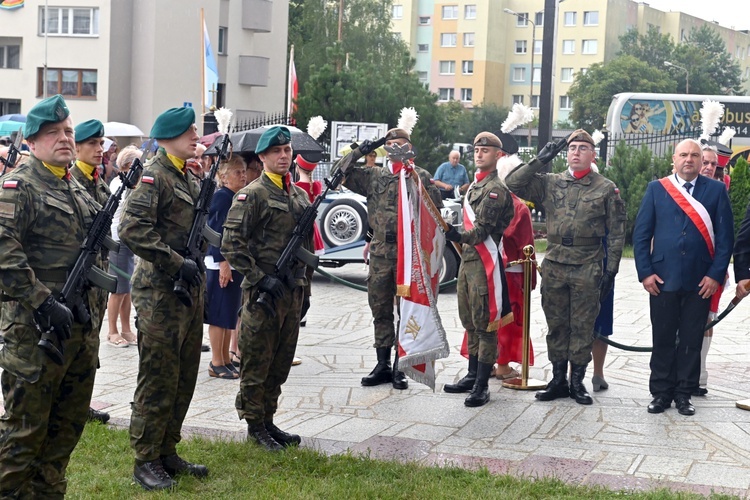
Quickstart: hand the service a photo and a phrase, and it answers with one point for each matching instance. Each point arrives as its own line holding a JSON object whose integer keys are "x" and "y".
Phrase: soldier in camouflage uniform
{"x": 44, "y": 217}
{"x": 583, "y": 208}
{"x": 380, "y": 186}
{"x": 493, "y": 206}
{"x": 156, "y": 220}
{"x": 258, "y": 228}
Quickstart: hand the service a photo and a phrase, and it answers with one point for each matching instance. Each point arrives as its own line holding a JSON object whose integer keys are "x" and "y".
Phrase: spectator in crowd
{"x": 109, "y": 159}
{"x": 451, "y": 175}
{"x": 223, "y": 292}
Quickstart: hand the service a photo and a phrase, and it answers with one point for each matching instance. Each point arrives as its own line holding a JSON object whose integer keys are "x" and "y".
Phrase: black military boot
{"x": 97, "y": 416}
{"x": 480, "y": 393}
{"x": 382, "y": 373}
{"x": 466, "y": 384}
{"x": 259, "y": 434}
{"x": 281, "y": 437}
{"x": 399, "y": 379}
{"x": 175, "y": 464}
{"x": 558, "y": 386}
{"x": 152, "y": 476}
{"x": 577, "y": 389}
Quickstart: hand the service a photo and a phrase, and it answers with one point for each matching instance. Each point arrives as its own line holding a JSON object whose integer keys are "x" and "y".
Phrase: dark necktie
{"x": 688, "y": 186}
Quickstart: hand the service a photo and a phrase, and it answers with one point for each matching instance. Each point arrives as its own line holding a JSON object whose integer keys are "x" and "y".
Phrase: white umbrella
{"x": 117, "y": 129}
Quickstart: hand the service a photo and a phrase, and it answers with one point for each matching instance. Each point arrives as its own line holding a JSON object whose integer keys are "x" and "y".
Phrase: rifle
{"x": 13, "y": 153}
{"x": 294, "y": 249}
{"x": 200, "y": 230}
{"x": 84, "y": 273}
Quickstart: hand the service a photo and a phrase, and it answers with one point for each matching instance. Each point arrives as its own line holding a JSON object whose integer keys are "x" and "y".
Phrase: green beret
{"x": 89, "y": 129}
{"x": 274, "y": 136}
{"x": 581, "y": 135}
{"x": 50, "y": 110}
{"x": 487, "y": 139}
{"x": 173, "y": 123}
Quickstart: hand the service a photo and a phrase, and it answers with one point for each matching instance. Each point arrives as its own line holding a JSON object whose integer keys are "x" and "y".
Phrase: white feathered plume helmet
{"x": 408, "y": 119}
{"x": 223, "y": 118}
{"x": 711, "y": 113}
{"x": 518, "y": 115}
{"x": 315, "y": 128}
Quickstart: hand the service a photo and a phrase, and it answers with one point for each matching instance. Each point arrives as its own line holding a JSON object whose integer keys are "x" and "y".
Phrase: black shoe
{"x": 281, "y": 437}
{"x": 659, "y": 404}
{"x": 97, "y": 416}
{"x": 174, "y": 465}
{"x": 700, "y": 391}
{"x": 684, "y": 406}
{"x": 466, "y": 384}
{"x": 382, "y": 373}
{"x": 558, "y": 386}
{"x": 259, "y": 433}
{"x": 480, "y": 393}
{"x": 399, "y": 379}
{"x": 205, "y": 348}
{"x": 577, "y": 389}
{"x": 152, "y": 476}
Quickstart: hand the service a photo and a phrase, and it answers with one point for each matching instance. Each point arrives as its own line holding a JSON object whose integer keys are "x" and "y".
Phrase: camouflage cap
{"x": 488, "y": 139}
{"x": 50, "y": 110}
{"x": 397, "y": 133}
{"x": 89, "y": 129}
{"x": 274, "y": 136}
{"x": 172, "y": 123}
{"x": 581, "y": 135}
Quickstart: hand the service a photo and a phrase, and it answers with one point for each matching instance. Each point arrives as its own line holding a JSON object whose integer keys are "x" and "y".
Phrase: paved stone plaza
{"x": 614, "y": 442}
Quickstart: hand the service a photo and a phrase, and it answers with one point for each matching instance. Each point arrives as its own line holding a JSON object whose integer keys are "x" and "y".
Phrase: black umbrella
{"x": 247, "y": 140}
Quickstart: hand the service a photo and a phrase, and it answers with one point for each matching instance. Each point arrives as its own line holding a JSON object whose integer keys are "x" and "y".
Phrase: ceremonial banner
{"x": 292, "y": 87}
{"x": 421, "y": 336}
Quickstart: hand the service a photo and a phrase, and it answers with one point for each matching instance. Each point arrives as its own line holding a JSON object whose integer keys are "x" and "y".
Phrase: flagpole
{"x": 289, "y": 89}
{"x": 203, "y": 62}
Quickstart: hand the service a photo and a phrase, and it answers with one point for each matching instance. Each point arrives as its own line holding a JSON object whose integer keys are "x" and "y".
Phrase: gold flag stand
{"x": 524, "y": 383}
{"x": 744, "y": 404}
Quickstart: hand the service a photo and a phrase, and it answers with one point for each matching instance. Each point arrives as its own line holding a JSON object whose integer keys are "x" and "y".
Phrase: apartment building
{"x": 476, "y": 52}
{"x": 128, "y": 60}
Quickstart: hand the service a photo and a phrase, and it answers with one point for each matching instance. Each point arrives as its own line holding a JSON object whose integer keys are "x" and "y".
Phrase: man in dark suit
{"x": 682, "y": 242}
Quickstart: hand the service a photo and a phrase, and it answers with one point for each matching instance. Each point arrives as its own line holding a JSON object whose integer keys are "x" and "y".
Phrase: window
{"x": 68, "y": 82}
{"x": 570, "y": 18}
{"x": 222, "y": 46}
{"x": 447, "y": 39}
{"x": 590, "y": 46}
{"x": 537, "y": 46}
{"x": 10, "y": 106}
{"x": 591, "y": 18}
{"x": 535, "y": 101}
{"x": 522, "y": 19}
{"x": 466, "y": 95}
{"x": 519, "y": 74}
{"x": 520, "y": 46}
{"x": 66, "y": 21}
{"x": 517, "y": 99}
{"x": 422, "y": 75}
{"x": 445, "y": 94}
{"x": 537, "y": 75}
{"x": 468, "y": 39}
{"x": 565, "y": 102}
{"x": 467, "y": 67}
{"x": 539, "y": 18}
{"x": 470, "y": 12}
{"x": 569, "y": 46}
{"x": 10, "y": 56}
{"x": 447, "y": 67}
{"x": 584, "y": 70}
{"x": 397, "y": 12}
{"x": 423, "y": 47}
{"x": 424, "y": 20}
{"x": 566, "y": 75}
{"x": 450, "y": 11}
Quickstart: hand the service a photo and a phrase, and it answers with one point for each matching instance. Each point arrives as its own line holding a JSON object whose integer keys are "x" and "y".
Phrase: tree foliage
{"x": 652, "y": 48}
{"x": 711, "y": 69}
{"x": 739, "y": 192}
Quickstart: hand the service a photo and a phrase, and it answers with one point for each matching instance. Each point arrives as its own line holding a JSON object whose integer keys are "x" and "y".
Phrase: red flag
{"x": 293, "y": 88}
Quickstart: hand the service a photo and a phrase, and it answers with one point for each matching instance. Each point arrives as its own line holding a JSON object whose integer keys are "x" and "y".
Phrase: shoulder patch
{"x": 493, "y": 196}
{"x": 241, "y": 197}
{"x": 10, "y": 184}
{"x": 147, "y": 179}
{"x": 7, "y": 210}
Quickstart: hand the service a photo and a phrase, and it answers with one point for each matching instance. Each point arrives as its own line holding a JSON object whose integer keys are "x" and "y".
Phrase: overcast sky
{"x": 729, "y": 13}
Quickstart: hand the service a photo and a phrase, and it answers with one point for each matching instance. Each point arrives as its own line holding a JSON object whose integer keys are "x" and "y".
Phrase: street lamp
{"x": 533, "y": 40}
{"x": 687, "y": 74}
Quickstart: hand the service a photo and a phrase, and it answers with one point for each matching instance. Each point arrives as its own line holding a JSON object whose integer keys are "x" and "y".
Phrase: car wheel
{"x": 449, "y": 269}
{"x": 344, "y": 221}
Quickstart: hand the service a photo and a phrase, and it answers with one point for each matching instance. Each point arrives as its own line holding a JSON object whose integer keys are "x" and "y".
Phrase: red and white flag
{"x": 292, "y": 88}
{"x": 421, "y": 336}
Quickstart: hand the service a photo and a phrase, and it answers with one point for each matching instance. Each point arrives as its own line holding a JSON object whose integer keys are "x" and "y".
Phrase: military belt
{"x": 51, "y": 275}
{"x": 387, "y": 236}
{"x": 573, "y": 241}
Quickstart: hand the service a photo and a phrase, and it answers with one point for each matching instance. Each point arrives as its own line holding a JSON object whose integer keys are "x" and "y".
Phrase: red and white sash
{"x": 695, "y": 211}
{"x": 490, "y": 253}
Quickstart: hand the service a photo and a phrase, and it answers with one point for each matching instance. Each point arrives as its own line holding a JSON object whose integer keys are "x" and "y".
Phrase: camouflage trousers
{"x": 570, "y": 300}
{"x": 43, "y": 420}
{"x": 381, "y": 291}
{"x": 267, "y": 345}
{"x": 169, "y": 345}
{"x": 474, "y": 310}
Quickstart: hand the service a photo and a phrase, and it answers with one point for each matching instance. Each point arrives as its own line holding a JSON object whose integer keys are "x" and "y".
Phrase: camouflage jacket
{"x": 96, "y": 188}
{"x": 580, "y": 213}
{"x": 258, "y": 228}
{"x": 156, "y": 221}
{"x": 380, "y": 187}
{"x": 493, "y": 207}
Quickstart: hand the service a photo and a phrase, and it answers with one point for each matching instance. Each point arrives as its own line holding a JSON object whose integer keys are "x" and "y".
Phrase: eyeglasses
{"x": 580, "y": 149}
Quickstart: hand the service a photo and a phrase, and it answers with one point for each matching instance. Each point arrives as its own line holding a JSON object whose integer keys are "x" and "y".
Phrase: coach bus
{"x": 638, "y": 117}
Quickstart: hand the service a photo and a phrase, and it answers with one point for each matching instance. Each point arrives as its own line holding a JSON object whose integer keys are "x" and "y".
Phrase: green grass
{"x": 541, "y": 246}
{"x": 102, "y": 466}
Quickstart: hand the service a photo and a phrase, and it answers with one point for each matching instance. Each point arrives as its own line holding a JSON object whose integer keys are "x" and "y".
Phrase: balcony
{"x": 253, "y": 70}
{"x": 257, "y": 15}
